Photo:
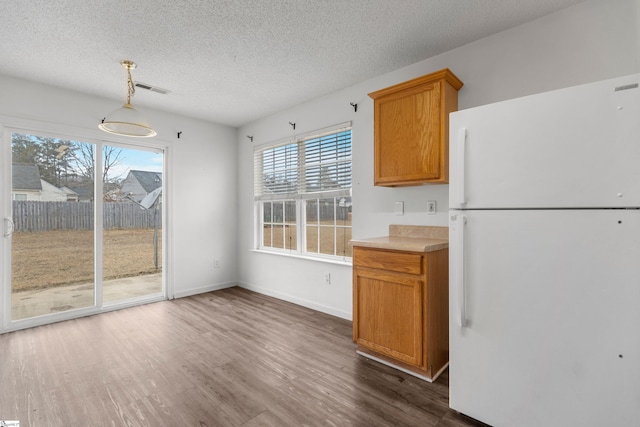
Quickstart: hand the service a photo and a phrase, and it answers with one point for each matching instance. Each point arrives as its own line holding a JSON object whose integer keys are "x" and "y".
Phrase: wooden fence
{"x": 324, "y": 211}
{"x": 45, "y": 216}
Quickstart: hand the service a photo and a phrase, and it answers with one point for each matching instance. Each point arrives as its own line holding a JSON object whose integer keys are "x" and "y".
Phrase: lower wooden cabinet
{"x": 400, "y": 308}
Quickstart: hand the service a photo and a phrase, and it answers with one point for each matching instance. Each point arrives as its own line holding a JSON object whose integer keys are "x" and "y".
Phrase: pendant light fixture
{"x": 127, "y": 121}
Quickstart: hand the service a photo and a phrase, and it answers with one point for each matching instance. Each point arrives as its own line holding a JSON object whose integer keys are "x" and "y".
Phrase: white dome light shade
{"x": 127, "y": 121}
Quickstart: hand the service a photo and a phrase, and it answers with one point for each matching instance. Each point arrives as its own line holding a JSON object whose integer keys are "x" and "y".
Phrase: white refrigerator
{"x": 545, "y": 258}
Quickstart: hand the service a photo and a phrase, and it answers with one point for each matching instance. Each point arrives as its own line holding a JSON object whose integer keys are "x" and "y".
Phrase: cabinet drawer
{"x": 401, "y": 262}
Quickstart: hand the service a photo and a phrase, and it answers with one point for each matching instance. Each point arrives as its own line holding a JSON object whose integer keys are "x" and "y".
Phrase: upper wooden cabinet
{"x": 411, "y": 130}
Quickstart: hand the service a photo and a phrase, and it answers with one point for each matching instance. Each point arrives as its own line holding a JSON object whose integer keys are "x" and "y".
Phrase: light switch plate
{"x": 399, "y": 208}
{"x": 431, "y": 207}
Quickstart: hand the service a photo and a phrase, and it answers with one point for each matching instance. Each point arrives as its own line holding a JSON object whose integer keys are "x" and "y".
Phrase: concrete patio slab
{"x": 39, "y": 302}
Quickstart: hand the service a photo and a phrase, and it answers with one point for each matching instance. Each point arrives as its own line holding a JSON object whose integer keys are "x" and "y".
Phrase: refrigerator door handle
{"x": 458, "y": 227}
{"x": 460, "y": 163}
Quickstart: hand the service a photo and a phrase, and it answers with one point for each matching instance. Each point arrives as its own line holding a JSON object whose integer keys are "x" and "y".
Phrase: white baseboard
{"x": 290, "y": 298}
{"x": 406, "y": 371}
{"x": 204, "y": 289}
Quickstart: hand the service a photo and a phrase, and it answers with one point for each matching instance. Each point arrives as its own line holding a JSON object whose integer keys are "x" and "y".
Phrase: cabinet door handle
{"x": 9, "y": 227}
{"x": 458, "y": 224}
{"x": 460, "y": 164}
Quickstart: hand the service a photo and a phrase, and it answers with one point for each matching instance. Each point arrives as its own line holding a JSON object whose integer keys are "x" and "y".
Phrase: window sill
{"x": 345, "y": 261}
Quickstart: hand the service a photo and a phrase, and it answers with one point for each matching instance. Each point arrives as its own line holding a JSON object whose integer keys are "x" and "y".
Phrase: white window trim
{"x": 329, "y": 259}
{"x": 300, "y": 199}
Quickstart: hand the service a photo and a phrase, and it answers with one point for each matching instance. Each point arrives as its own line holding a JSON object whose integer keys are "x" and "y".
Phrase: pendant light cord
{"x": 131, "y": 90}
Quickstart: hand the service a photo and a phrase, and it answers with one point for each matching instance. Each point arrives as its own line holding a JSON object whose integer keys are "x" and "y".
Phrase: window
{"x": 302, "y": 191}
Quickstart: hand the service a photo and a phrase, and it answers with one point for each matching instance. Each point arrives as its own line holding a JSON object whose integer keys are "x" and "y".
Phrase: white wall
{"x": 592, "y": 41}
{"x": 209, "y": 171}
{"x": 201, "y": 176}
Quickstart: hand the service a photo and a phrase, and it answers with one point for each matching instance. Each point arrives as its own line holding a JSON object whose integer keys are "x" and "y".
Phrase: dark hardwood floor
{"x": 225, "y": 358}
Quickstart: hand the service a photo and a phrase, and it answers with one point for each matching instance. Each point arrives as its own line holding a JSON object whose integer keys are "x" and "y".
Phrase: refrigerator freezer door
{"x": 551, "y": 330}
{"x": 575, "y": 147}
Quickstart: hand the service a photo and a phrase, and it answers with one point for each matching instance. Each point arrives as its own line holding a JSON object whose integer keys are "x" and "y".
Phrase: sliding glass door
{"x": 132, "y": 223}
{"x": 52, "y": 245}
{"x": 64, "y": 259}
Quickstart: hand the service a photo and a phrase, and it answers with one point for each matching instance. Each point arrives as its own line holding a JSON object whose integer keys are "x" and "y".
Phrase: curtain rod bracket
{"x": 179, "y": 133}
{"x": 250, "y": 137}
{"x": 355, "y": 107}
{"x": 293, "y": 125}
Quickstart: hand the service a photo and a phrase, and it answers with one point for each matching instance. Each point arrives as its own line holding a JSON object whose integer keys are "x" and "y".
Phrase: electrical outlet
{"x": 327, "y": 278}
{"x": 399, "y": 208}
{"x": 431, "y": 207}
{"x": 216, "y": 263}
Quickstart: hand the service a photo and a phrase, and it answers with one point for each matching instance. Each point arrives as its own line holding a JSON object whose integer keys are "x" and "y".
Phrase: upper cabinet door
{"x": 576, "y": 147}
{"x": 411, "y": 127}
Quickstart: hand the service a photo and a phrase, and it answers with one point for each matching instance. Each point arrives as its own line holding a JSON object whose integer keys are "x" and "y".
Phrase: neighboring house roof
{"x": 85, "y": 192}
{"x": 148, "y": 180}
{"x": 25, "y": 177}
{"x": 68, "y": 191}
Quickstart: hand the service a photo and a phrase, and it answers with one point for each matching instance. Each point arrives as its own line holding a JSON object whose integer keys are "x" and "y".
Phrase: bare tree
{"x": 112, "y": 157}
{"x": 84, "y": 161}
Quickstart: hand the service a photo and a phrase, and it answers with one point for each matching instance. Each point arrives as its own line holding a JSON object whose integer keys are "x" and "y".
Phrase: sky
{"x": 137, "y": 159}
{"x": 144, "y": 159}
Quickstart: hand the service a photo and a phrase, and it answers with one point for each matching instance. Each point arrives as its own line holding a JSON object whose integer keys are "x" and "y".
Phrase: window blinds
{"x": 309, "y": 166}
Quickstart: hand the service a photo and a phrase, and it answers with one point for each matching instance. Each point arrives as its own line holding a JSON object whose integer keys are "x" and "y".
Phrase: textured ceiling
{"x": 234, "y": 61}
